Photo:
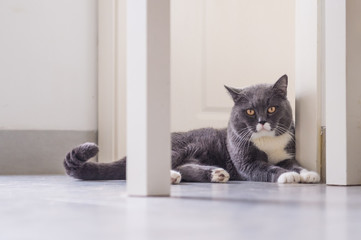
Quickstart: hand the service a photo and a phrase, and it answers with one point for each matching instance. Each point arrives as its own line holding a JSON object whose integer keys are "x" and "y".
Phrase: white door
{"x": 213, "y": 43}
{"x": 216, "y": 43}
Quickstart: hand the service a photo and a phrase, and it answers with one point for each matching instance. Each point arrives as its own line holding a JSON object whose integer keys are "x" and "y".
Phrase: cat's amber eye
{"x": 250, "y": 112}
{"x": 271, "y": 109}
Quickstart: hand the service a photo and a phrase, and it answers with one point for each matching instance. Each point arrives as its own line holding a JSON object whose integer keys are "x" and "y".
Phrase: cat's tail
{"x": 77, "y": 165}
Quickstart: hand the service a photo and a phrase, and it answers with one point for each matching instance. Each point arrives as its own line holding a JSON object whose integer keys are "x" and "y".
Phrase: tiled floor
{"x": 58, "y": 207}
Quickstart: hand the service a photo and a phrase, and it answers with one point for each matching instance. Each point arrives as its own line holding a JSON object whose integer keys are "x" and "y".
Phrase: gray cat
{"x": 257, "y": 145}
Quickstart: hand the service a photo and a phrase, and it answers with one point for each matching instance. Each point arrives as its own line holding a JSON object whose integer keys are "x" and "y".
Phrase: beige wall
{"x": 48, "y": 64}
{"x": 229, "y": 42}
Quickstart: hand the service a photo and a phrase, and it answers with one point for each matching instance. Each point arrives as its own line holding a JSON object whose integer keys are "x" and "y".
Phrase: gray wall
{"x": 38, "y": 152}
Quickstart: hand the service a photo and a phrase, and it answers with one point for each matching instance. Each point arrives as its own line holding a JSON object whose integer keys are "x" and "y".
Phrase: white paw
{"x": 289, "y": 177}
{"x": 175, "y": 177}
{"x": 309, "y": 177}
{"x": 219, "y": 175}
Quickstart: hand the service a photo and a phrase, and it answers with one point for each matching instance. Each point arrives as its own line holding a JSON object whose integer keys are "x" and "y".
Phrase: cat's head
{"x": 261, "y": 110}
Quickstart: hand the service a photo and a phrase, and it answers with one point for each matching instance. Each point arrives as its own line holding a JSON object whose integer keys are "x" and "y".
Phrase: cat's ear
{"x": 281, "y": 86}
{"x": 234, "y": 92}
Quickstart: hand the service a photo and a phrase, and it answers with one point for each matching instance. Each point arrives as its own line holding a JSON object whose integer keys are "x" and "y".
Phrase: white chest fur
{"x": 273, "y": 146}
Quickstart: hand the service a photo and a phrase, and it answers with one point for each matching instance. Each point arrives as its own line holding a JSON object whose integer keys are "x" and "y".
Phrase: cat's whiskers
{"x": 284, "y": 127}
{"x": 282, "y": 130}
{"x": 241, "y": 139}
{"x": 237, "y": 136}
{"x": 244, "y": 139}
{"x": 250, "y": 132}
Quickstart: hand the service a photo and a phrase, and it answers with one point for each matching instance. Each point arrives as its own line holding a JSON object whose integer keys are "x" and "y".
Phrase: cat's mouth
{"x": 263, "y": 130}
{"x": 263, "y": 127}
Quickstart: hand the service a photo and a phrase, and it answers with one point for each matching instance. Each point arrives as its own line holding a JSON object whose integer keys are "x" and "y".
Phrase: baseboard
{"x": 38, "y": 151}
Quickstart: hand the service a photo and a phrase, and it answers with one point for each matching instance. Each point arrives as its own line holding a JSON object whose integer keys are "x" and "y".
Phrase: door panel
{"x": 217, "y": 43}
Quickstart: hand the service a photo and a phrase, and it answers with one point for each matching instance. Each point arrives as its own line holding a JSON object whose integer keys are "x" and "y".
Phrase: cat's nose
{"x": 262, "y": 122}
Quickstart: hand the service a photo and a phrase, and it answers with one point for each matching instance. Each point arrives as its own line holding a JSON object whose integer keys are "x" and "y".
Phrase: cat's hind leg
{"x": 192, "y": 172}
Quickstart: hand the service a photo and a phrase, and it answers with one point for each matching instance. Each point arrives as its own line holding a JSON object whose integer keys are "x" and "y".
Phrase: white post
{"x": 148, "y": 97}
{"x": 308, "y": 80}
{"x": 343, "y": 95}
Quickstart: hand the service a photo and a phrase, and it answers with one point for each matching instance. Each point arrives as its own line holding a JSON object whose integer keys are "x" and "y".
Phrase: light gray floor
{"x": 58, "y": 207}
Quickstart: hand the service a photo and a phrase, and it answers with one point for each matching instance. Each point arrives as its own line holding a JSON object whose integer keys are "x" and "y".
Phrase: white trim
{"x": 342, "y": 73}
{"x": 111, "y": 80}
{"x": 121, "y": 100}
{"x": 148, "y": 97}
{"x": 335, "y": 76}
{"x": 308, "y": 83}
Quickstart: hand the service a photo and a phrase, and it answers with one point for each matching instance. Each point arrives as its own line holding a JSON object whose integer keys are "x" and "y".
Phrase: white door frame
{"x": 318, "y": 24}
{"x": 343, "y": 98}
{"x": 328, "y": 66}
{"x": 308, "y": 74}
{"x": 111, "y": 80}
{"x": 335, "y": 72}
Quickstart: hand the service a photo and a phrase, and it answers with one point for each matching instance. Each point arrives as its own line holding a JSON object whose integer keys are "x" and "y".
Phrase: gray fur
{"x": 196, "y": 153}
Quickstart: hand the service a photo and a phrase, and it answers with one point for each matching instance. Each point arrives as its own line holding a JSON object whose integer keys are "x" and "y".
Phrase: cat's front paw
{"x": 289, "y": 177}
{"x": 309, "y": 177}
{"x": 175, "y": 177}
{"x": 219, "y": 175}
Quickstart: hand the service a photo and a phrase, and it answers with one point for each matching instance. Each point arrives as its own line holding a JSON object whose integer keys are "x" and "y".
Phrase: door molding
{"x": 343, "y": 108}
{"x": 308, "y": 73}
{"x": 111, "y": 80}
{"x": 316, "y": 27}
